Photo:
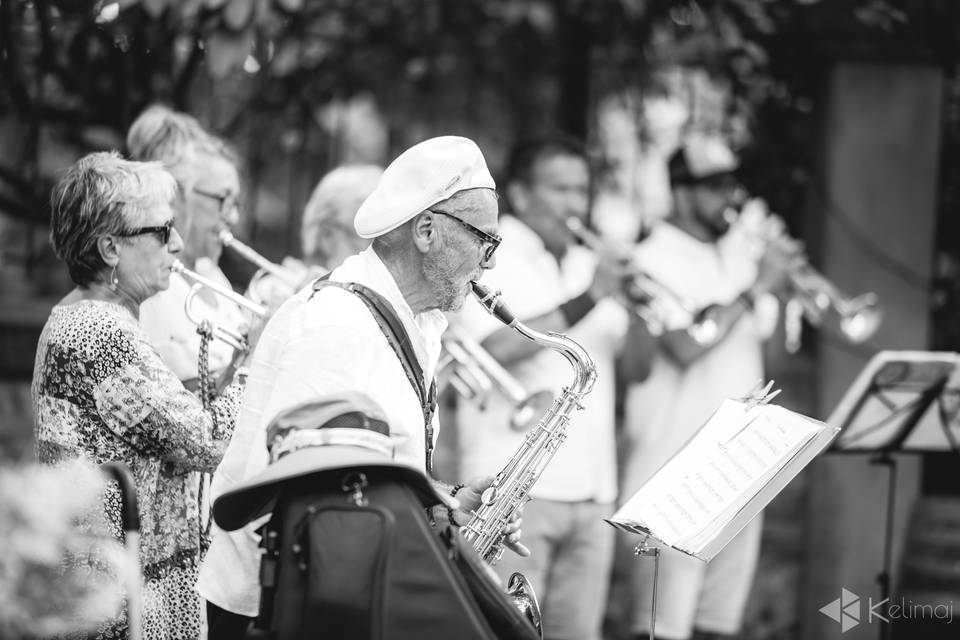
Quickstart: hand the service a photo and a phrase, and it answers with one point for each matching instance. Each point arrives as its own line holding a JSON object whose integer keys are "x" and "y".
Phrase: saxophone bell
{"x": 520, "y": 591}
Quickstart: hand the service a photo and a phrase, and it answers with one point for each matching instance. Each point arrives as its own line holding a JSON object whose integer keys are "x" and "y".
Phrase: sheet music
{"x": 722, "y": 469}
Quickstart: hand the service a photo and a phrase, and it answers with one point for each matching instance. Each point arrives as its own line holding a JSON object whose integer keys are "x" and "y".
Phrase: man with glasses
{"x": 208, "y": 202}
{"x": 432, "y": 220}
{"x": 553, "y": 284}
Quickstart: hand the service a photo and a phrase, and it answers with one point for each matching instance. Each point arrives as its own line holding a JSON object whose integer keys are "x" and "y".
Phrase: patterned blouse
{"x": 100, "y": 391}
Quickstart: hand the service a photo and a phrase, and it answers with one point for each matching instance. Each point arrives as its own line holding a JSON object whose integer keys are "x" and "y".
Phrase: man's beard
{"x": 440, "y": 272}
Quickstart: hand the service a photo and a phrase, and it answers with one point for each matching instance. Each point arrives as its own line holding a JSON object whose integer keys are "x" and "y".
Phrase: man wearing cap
{"x": 693, "y": 255}
{"x": 433, "y": 223}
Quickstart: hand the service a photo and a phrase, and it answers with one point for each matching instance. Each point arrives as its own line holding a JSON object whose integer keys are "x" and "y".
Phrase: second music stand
{"x": 902, "y": 401}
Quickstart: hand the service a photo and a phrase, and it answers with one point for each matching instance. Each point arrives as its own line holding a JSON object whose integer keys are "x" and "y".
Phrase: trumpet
{"x": 269, "y": 274}
{"x": 813, "y": 296}
{"x": 476, "y": 375}
{"x": 233, "y": 338}
{"x": 645, "y": 296}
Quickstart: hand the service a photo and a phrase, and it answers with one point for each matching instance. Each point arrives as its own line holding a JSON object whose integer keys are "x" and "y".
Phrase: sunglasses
{"x": 491, "y": 241}
{"x": 163, "y": 232}
{"x": 225, "y": 201}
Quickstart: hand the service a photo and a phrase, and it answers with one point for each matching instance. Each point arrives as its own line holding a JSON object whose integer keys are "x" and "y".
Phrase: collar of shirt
{"x": 424, "y": 329}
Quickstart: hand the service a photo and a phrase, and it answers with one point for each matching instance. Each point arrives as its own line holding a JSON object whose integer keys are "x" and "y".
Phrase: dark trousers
{"x": 225, "y": 625}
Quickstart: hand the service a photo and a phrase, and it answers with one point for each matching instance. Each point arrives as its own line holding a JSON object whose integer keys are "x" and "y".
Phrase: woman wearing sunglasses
{"x": 100, "y": 390}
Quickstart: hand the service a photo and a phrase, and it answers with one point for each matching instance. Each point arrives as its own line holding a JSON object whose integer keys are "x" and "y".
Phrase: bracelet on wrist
{"x": 450, "y": 510}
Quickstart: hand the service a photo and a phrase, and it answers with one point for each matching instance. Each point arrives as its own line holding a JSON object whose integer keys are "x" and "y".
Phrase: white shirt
{"x": 664, "y": 411}
{"x": 165, "y": 322}
{"x": 532, "y": 283}
{"x": 317, "y": 343}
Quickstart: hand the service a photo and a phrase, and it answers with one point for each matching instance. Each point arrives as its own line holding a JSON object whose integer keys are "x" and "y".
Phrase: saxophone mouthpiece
{"x": 492, "y": 303}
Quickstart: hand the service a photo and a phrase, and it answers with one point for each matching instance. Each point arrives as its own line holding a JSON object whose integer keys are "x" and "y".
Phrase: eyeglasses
{"x": 492, "y": 241}
{"x": 225, "y": 201}
{"x": 163, "y": 232}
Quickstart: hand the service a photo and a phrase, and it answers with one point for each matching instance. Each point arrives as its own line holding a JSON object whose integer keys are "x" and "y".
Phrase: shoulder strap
{"x": 399, "y": 341}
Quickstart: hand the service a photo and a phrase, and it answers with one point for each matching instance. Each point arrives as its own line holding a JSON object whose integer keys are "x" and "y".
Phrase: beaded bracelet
{"x": 453, "y": 493}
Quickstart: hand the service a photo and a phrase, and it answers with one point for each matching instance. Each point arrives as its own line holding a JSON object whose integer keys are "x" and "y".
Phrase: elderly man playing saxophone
{"x": 433, "y": 222}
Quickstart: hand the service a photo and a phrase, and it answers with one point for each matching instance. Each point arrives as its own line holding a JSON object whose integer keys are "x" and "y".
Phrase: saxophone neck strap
{"x": 399, "y": 341}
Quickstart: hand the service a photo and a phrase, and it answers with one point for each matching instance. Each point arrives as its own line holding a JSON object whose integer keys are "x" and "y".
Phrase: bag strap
{"x": 399, "y": 341}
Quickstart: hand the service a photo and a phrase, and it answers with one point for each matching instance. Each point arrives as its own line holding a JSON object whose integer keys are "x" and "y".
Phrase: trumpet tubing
{"x": 262, "y": 263}
{"x": 645, "y": 296}
{"x": 815, "y": 297}
{"x": 475, "y": 375}
{"x": 231, "y": 337}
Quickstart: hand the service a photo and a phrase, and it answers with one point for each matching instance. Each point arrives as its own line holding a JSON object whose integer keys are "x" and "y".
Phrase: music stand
{"x": 902, "y": 401}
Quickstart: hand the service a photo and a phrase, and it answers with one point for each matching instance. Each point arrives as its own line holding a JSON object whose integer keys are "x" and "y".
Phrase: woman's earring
{"x": 114, "y": 280}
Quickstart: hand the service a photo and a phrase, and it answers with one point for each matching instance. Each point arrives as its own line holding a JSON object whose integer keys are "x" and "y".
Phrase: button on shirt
{"x": 533, "y": 283}
{"x": 317, "y": 343}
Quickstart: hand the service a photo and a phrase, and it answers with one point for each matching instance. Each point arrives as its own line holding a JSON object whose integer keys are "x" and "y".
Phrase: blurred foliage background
{"x": 299, "y": 86}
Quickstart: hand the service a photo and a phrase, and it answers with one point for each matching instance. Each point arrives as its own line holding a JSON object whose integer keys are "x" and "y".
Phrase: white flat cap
{"x": 420, "y": 177}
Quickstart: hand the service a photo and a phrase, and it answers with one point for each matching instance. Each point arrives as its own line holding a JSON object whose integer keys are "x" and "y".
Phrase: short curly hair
{"x": 102, "y": 194}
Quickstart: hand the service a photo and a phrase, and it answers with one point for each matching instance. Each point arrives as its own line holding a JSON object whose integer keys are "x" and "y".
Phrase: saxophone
{"x": 511, "y": 487}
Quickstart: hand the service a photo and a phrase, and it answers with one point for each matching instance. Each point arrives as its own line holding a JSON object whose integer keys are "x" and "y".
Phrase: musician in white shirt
{"x": 325, "y": 340}
{"x": 693, "y": 254}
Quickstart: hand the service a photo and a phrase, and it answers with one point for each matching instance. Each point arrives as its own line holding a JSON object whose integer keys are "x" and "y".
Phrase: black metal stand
{"x": 923, "y": 380}
{"x": 883, "y": 578}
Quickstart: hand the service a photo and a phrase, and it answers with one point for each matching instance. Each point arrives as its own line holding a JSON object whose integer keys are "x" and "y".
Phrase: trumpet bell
{"x": 860, "y": 317}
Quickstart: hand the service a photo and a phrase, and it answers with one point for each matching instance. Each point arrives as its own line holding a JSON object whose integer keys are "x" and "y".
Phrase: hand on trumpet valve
{"x": 781, "y": 257}
{"x": 611, "y": 277}
{"x": 479, "y": 491}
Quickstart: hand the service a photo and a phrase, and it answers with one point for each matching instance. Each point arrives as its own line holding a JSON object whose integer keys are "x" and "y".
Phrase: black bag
{"x": 351, "y": 555}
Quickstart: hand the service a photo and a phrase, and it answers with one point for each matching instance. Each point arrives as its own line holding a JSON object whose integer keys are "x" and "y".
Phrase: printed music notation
{"x": 739, "y": 460}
